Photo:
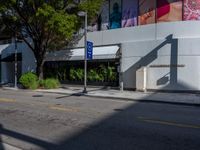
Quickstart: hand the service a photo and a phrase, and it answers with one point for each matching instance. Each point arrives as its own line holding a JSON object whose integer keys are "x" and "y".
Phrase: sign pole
{"x": 15, "y": 84}
{"x": 85, "y": 59}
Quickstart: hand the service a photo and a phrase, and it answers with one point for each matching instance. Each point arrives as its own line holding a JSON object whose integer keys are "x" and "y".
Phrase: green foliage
{"x": 48, "y": 24}
{"x": 80, "y": 74}
{"x": 91, "y": 74}
{"x": 61, "y": 74}
{"x": 61, "y": 22}
{"x": 111, "y": 74}
{"x": 76, "y": 74}
{"x": 41, "y": 83}
{"x": 94, "y": 75}
{"x": 29, "y": 80}
{"x": 108, "y": 73}
{"x": 103, "y": 71}
{"x": 51, "y": 83}
{"x": 100, "y": 73}
{"x": 91, "y": 6}
{"x": 34, "y": 85}
{"x": 46, "y": 21}
{"x": 72, "y": 74}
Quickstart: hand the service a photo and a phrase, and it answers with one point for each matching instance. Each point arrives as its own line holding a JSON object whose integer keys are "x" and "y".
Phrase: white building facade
{"x": 162, "y": 36}
{"x": 169, "y": 51}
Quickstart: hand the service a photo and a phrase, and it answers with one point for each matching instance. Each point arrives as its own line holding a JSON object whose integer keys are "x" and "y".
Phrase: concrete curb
{"x": 147, "y": 100}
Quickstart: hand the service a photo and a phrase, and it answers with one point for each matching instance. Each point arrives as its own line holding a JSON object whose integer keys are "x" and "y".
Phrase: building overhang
{"x": 102, "y": 52}
{"x": 11, "y": 58}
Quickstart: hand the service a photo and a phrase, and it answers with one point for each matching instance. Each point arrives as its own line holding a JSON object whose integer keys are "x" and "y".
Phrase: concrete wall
{"x": 7, "y": 68}
{"x": 182, "y": 29}
{"x": 170, "y": 51}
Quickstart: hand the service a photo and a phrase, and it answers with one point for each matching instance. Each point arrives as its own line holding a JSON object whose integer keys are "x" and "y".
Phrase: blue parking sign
{"x": 89, "y": 50}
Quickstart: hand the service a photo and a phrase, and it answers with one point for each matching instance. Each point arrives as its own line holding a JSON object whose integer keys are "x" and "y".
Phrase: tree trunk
{"x": 39, "y": 52}
{"x": 39, "y": 69}
{"x": 40, "y": 64}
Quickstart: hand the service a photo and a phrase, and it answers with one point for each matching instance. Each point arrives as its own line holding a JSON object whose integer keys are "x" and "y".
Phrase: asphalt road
{"x": 33, "y": 121}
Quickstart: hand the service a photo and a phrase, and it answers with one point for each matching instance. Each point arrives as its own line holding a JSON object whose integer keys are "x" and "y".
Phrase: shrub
{"x": 103, "y": 71}
{"x": 94, "y": 75}
{"x": 76, "y": 74}
{"x": 41, "y": 83}
{"x": 51, "y": 83}
{"x": 79, "y": 74}
{"x": 34, "y": 85}
{"x": 29, "y": 80}
{"x": 91, "y": 75}
{"x": 111, "y": 74}
{"x": 72, "y": 74}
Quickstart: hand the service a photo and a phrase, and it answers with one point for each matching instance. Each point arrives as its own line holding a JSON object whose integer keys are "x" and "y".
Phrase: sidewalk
{"x": 175, "y": 98}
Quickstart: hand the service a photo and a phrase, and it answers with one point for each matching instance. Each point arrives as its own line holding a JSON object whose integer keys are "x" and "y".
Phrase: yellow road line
{"x": 169, "y": 123}
{"x": 61, "y": 108}
{"x": 7, "y": 100}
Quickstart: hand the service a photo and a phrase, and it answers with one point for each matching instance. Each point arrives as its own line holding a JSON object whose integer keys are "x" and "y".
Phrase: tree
{"x": 45, "y": 24}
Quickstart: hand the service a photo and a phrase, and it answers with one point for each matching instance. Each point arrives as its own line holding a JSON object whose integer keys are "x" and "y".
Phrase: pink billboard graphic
{"x": 146, "y": 12}
{"x": 191, "y": 9}
{"x": 169, "y": 10}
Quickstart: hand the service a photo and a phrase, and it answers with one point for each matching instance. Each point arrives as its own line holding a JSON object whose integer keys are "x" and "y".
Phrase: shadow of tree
{"x": 26, "y": 138}
{"x": 153, "y": 55}
{"x": 1, "y": 142}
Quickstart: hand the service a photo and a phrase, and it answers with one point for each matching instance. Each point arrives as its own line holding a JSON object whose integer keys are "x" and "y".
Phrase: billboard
{"x": 191, "y": 9}
{"x": 129, "y": 13}
{"x": 115, "y": 14}
{"x": 105, "y": 16}
{"x": 169, "y": 10}
{"x": 93, "y": 26}
{"x": 146, "y": 11}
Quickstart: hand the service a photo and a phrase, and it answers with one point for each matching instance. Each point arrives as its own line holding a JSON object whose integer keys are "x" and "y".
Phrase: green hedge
{"x": 100, "y": 73}
{"x": 29, "y": 80}
{"x": 51, "y": 83}
{"x": 76, "y": 74}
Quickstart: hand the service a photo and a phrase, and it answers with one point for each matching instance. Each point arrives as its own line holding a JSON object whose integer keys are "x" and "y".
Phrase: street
{"x": 46, "y": 121}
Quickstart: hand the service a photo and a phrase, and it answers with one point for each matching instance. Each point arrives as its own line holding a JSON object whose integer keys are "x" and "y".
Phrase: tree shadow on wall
{"x": 171, "y": 76}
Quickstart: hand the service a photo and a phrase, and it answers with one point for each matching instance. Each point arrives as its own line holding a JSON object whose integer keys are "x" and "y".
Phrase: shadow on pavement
{"x": 88, "y": 90}
{"x": 26, "y": 138}
{"x": 1, "y": 142}
{"x": 136, "y": 127}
